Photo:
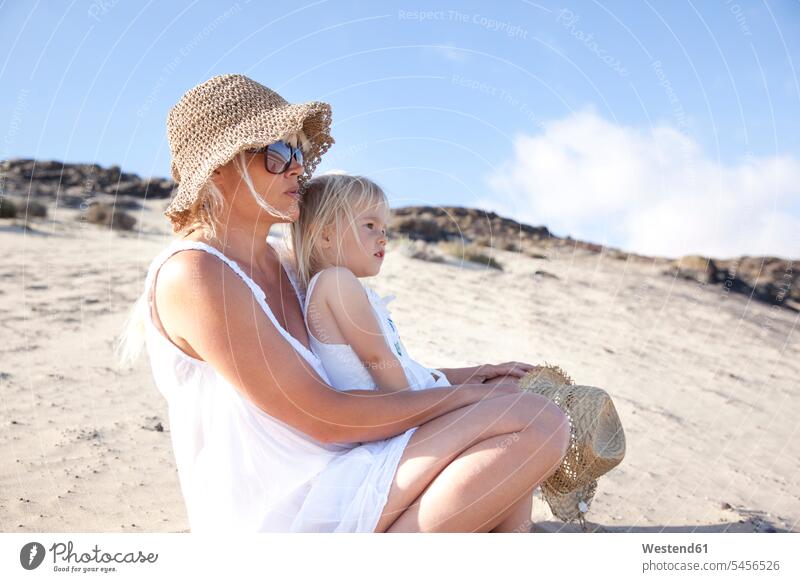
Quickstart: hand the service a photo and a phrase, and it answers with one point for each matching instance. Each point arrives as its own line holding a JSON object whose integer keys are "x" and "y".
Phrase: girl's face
{"x": 360, "y": 246}
{"x": 280, "y": 191}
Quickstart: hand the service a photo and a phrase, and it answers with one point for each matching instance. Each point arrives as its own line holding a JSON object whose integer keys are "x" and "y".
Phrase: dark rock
{"x": 769, "y": 279}
{"x": 417, "y": 228}
{"x": 431, "y": 223}
{"x": 696, "y": 268}
{"x": 44, "y": 178}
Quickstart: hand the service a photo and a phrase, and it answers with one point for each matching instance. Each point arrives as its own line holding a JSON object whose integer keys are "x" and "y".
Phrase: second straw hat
{"x": 597, "y": 440}
{"x": 217, "y": 119}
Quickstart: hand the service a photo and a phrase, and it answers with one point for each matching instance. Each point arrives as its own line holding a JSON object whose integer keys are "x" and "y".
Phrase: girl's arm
{"x": 511, "y": 371}
{"x": 462, "y": 375}
{"x": 346, "y": 300}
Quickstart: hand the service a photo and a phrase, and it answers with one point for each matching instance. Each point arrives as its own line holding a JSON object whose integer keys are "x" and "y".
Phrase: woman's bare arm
{"x": 204, "y": 303}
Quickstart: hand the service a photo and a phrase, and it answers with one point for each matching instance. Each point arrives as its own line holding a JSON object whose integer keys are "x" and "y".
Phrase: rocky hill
{"x": 73, "y": 184}
{"x": 768, "y": 279}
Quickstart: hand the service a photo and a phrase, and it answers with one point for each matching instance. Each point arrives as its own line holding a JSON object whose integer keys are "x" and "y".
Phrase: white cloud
{"x": 649, "y": 191}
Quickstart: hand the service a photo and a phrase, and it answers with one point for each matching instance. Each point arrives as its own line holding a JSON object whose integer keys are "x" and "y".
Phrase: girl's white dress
{"x": 240, "y": 469}
{"x": 345, "y": 369}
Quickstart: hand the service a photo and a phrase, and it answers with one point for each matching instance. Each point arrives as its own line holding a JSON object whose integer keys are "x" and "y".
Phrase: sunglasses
{"x": 278, "y": 156}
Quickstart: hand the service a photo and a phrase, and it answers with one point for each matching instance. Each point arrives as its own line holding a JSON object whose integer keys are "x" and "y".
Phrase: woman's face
{"x": 361, "y": 246}
{"x": 275, "y": 191}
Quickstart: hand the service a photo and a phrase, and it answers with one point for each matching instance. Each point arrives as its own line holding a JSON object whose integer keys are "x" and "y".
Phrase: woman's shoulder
{"x": 183, "y": 260}
{"x": 188, "y": 285}
{"x": 195, "y": 272}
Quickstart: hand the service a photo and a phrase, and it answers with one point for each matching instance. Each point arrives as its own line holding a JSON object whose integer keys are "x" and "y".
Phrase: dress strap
{"x": 379, "y": 302}
{"x": 286, "y": 259}
{"x": 309, "y": 290}
{"x": 179, "y": 245}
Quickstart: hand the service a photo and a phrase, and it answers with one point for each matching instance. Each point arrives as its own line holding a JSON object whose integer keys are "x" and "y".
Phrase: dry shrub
{"x": 106, "y": 215}
{"x": 7, "y": 208}
{"x": 471, "y": 252}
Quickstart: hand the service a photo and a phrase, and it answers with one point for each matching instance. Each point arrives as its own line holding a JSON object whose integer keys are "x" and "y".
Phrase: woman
{"x": 262, "y": 442}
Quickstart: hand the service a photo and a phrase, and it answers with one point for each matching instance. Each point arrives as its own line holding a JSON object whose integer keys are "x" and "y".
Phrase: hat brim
{"x": 259, "y": 130}
{"x": 597, "y": 440}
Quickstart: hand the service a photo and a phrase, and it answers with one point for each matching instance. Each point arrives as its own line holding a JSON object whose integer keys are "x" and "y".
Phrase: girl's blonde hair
{"x": 328, "y": 200}
{"x": 204, "y": 215}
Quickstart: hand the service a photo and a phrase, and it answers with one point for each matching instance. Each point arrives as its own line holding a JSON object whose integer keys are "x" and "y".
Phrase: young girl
{"x": 339, "y": 238}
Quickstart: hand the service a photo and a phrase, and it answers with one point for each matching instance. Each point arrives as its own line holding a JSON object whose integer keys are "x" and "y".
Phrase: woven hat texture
{"x": 597, "y": 440}
{"x": 217, "y": 119}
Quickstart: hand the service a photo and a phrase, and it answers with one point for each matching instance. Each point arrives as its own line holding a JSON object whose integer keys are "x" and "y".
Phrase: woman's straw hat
{"x": 217, "y": 119}
{"x": 597, "y": 441}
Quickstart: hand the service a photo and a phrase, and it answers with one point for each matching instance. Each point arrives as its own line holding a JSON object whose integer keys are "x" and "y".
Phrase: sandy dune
{"x": 706, "y": 383}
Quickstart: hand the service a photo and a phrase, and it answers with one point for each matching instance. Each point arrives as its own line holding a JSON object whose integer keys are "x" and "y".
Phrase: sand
{"x": 705, "y": 382}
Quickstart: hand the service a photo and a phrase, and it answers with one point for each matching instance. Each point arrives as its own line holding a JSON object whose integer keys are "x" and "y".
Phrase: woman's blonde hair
{"x": 204, "y": 215}
{"x": 328, "y": 200}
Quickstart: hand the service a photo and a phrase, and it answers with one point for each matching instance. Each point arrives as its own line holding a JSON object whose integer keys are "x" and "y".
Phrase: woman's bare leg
{"x": 517, "y": 519}
{"x": 479, "y": 458}
{"x": 474, "y": 491}
{"x": 436, "y": 443}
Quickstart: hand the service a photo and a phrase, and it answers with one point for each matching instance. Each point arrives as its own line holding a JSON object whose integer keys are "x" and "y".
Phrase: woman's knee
{"x": 512, "y": 413}
{"x": 525, "y": 410}
{"x": 550, "y": 431}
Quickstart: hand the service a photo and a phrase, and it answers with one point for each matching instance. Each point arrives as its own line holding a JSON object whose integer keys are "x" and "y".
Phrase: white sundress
{"x": 240, "y": 469}
{"x": 344, "y": 367}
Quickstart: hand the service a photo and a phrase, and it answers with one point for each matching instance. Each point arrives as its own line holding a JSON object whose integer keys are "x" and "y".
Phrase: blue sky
{"x": 663, "y": 128}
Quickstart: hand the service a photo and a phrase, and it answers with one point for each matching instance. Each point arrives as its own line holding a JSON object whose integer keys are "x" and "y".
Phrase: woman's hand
{"x": 508, "y": 371}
